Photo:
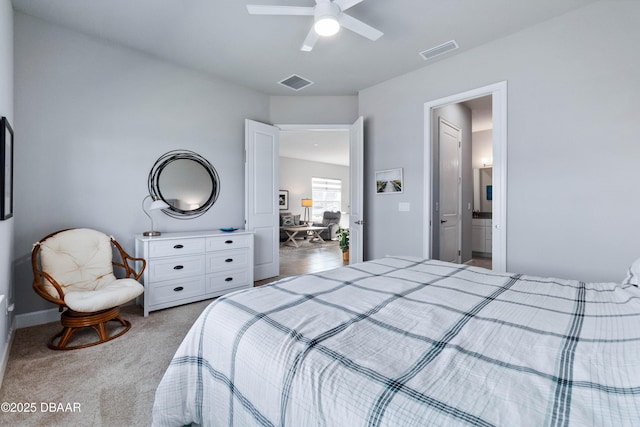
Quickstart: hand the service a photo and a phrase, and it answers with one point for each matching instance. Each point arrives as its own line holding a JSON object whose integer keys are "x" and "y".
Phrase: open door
{"x": 450, "y": 182}
{"x": 261, "y": 202}
{"x": 356, "y": 177}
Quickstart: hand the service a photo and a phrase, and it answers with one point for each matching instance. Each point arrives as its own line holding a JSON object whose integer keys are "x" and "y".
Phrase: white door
{"x": 450, "y": 183}
{"x": 262, "y": 153}
{"x": 356, "y": 178}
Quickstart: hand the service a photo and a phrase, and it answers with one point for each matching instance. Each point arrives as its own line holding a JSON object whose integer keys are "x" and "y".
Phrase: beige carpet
{"x": 112, "y": 384}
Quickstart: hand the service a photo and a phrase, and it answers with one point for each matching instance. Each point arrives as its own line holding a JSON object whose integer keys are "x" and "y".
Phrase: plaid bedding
{"x": 402, "y": 341}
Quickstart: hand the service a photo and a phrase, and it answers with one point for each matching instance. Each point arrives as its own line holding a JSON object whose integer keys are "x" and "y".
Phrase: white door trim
{"x": 313, "y": 127}
{"x": 499, "y": 222}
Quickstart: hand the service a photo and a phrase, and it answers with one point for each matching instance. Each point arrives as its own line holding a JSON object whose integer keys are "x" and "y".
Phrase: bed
{"x": 403, "y": 341}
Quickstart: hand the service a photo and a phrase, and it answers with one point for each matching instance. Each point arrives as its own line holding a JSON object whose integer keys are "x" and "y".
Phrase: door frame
{"x": 498, "y": 91}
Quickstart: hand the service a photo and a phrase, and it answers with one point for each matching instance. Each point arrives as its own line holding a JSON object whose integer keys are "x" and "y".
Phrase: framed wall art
{"x": 389, "y": 181}
{"x": 6, "y": 161}
{"x": 283, "y": 200}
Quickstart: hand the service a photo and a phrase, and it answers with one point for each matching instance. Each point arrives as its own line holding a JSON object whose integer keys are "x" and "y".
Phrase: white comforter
{"x": 410, "y": 342}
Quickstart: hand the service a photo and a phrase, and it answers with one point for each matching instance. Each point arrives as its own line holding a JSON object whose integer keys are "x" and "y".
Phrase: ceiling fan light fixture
{"x": 326, "y": 19}
{"x": 326, "y": 26}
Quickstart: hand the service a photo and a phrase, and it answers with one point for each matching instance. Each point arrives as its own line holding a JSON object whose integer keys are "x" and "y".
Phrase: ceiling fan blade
{"x": 347, "y": 4}
{"x": 258, "y": 9}
{"x": 359, "y": 27}
{"x": 309, "y": 41}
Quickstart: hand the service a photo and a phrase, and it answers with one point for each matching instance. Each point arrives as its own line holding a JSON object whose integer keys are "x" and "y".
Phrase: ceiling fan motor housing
{"x": 326, "y": 18}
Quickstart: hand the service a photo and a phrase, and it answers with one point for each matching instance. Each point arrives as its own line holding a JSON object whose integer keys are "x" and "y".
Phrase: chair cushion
{"x": 78, "y": 259}
{"x": 112, "y": 295}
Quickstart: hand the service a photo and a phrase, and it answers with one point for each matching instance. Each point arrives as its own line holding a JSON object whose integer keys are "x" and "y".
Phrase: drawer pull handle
{"x": 178, "y": 246}
{"x": 178, "y": 267}
{"x": 178, "y": 289}
{"x": 228, "y": 279}
{"x": 228, "y": 242}
{"x": 228, "y": 260}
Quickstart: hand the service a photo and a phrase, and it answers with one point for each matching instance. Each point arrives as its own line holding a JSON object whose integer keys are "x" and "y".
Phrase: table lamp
{"x": 306, "y": 204}
{"x": 156, "y": 204}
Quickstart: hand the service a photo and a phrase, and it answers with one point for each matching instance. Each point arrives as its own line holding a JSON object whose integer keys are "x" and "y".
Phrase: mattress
{"x": 403, "y": 341}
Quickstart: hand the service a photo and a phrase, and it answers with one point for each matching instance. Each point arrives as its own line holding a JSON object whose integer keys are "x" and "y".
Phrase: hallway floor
{"x": 310, "y": 257}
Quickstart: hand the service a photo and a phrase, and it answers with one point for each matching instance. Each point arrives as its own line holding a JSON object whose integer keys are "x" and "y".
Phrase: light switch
{"x": 404, "y": 207}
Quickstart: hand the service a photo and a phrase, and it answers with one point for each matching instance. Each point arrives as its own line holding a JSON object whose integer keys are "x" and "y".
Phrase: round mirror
{"x": 186, "y": 181}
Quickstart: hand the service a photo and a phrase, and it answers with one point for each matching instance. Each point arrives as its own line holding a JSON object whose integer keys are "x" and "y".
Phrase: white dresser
{"x": 192, "y": 266}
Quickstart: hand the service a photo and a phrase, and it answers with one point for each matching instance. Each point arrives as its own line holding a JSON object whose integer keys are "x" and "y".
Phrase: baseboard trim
{"x": 37, "y": 318}
{"x": 7, "y": 350}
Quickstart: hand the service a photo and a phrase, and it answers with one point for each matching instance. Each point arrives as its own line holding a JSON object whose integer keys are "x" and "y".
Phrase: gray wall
{"x": 573, "y": 130}
{"x": 313, "y": 110}
{"x": 6, "y": 109}
{"x": 92, "y": 118}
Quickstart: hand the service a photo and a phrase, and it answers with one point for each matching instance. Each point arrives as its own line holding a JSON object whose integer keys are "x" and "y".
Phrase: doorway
{"x": 262, "y": 190}
{"x": 314, "y": 176}
{"x": 497, "y": 225}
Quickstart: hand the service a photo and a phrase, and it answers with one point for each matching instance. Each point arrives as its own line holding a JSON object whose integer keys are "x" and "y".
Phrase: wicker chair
{"x": 74, "y": 269}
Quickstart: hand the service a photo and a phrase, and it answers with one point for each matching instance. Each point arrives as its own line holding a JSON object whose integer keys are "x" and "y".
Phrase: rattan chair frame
{"x": 72, "y": 320}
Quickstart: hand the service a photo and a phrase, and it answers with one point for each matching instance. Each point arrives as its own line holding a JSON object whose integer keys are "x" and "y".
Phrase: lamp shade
{"x": 158, "y": 204}
{"x": 155, "y": 204}
{"x": 307, "y": 203}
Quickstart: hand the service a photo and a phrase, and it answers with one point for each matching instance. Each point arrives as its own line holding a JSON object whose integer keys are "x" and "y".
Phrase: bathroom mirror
{"x": 186, "y": 181}
{"x": 482, "y": 189}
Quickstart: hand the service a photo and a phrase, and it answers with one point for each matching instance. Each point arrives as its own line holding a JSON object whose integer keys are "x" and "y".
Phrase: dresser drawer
{"x": 227, "y": 260}
{"x": 173, "y": 290}
{"x": 175, "y": 247}
{"x": 230, "y": 241}
{"x": 221, "y": 282}
{"x": 174, "y": 268}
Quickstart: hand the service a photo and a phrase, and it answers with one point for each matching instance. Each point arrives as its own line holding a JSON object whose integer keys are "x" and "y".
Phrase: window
{"x": 326, "y": 195}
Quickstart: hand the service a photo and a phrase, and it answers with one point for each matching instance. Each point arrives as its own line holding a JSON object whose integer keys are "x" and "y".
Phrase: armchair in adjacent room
{"x": 75, "y": 269}
{"x": 330, "y": 220}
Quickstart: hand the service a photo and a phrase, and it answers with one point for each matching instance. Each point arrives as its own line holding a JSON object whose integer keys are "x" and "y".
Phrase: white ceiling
{"x": 219, "y": 37}
{"x": 326, "y": 146}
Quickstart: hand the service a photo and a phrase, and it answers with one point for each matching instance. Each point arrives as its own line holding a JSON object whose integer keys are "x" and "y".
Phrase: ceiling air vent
{"x": 295, "y": 82}
{"x": 439, "y": 50}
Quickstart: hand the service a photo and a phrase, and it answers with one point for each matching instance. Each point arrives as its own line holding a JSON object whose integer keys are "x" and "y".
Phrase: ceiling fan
{"x": 328, "y": 17}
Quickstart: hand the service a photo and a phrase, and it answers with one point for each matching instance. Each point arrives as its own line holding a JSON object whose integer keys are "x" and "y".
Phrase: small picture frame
{"x": 6, "y": 161}
{"x": 283, "y": 200}
{"x": 389, "y": 181}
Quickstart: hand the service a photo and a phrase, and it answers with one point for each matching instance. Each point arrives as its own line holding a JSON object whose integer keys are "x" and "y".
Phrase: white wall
{"x": 92, "y": 119}
{"x": 295, "y": 177}
{"x": 573, "y": 128}
{"x": 482, "y": 152}
{"x": 7, "y": 226}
